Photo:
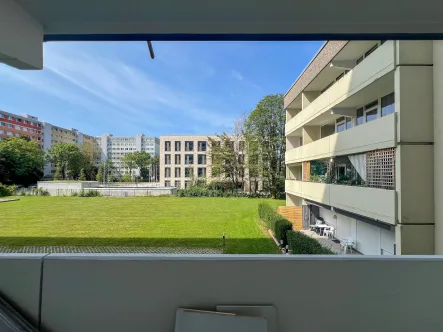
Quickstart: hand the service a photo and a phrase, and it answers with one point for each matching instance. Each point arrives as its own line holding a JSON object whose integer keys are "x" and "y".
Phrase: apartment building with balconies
{"x": 359, "y": 130}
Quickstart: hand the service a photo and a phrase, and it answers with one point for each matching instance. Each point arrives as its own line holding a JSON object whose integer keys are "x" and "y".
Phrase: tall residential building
{"x": 21, "y": 125}
{"x": 183, "y": 158}
{"x": 359, "y": 129}
{"x": 113, "y": 148}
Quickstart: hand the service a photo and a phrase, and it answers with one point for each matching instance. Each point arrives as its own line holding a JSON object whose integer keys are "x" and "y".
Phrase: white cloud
{"x": 237, "y": 75}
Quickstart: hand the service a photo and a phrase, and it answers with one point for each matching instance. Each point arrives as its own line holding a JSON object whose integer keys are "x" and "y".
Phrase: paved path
{"x": 105, "y": 250}
{"x": 4, "y": 200}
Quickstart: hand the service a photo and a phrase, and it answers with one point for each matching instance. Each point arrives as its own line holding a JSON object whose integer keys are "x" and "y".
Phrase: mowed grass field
{"x": 136, "y": 221}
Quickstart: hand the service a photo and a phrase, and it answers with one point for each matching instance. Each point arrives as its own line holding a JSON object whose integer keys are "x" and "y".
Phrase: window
{"x": 340, "y": 124}
{"x": 32, "y": 123}
{"x": 388, "y": 104}
{"x": 241, "y": 159}
{"x": 2, "y": 131}
{"x": 25, "y": 129}
{"x": 178, "y": 184}
{"x": 19, "y": 120}
{"x": 167, "y": 172}
{"x": 177, "y": 146}
{"x": 17, "y": 135}
{"x": 241, "y": 145}
{"x": 201, "y": 145}
{"x": 371, "y": 111}
{"x": 25, "y": 122}
{"x": 2, "y": 124}
{"x": 10, "y": 118}
{"x": 189, "y": 146}
{"x": 167, "y": 159}
{"x": 360, "y": 59}
{"x": 1, "y": 115}
{"x": 202, "y": 159}
{"x": 10, "y": 125}
{"x": 201, "y": 172}
{"x": 187, "y": 184}
{"x": 348, "y": 122}
{"x": 177, "y": 172}
{"x": 189, "y": 172}
{"x": 360, "y": 116}
{"x": 177, "y": 159}
{"x": 189, "y": 159}
{"x": 167, "y": 183}
{"x": 167, "y": 145}
{"x": 9, "y": 133}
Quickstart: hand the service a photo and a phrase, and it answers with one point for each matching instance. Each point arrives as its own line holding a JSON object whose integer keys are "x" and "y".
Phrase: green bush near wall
{"x": 275, "y": 222}
{"x": 301, "y": 244}
{"x": 7, "y": 190}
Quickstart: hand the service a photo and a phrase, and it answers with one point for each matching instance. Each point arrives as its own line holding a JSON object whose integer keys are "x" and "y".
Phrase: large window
{"x": 343, "y": 123}
{"x": 360, "y": 116}
{"x": 167, "y": 145}
{"x": 201, "y": 145}
{"x": 167, "y": 172}
{"x": 178, "y": 184}
{"x": 167, "y": 159}
{"x": 201, "y": 172}
{"x": 177, "y": 146}
{"x": 189, "y": 172}
{"x": 178, "y": 159}
{"x": 388, "y": 104}
{"x": 177, "y": 172}
{"x": 189, "y": 159}
{"x": 202, "y": 159}
{"x": 371, "y": 111}
{"x": 189, "y": 146}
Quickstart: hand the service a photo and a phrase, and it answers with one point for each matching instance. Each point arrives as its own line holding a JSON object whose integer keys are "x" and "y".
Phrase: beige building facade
{"x": 184, "y": 158}
{"x": 360, "y": 144}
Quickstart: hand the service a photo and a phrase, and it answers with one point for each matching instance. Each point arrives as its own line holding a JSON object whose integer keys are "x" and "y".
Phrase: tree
{"x": 82, "y": 176}
{"x": 142, "y": 160}
{"x": 68, "y": 157}
{"x": 21, "y": 161}
{"x": 129, "y": 161}
{"x": 155, "y": 168}
{"x": 105, "y": 172}
{"x": 266, "y": 127}
{"x": 99, "y": 176}
{"x": 227, "y": 157}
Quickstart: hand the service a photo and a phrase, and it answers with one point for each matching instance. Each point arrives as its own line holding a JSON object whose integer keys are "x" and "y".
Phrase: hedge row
{"x": 196, "y": 191}
{"x": 301, "y": 244}
{"x": 275, "y": 222}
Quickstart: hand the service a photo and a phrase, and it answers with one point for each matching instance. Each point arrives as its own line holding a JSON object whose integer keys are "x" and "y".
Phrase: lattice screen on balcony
{"x": 380, "y": 169}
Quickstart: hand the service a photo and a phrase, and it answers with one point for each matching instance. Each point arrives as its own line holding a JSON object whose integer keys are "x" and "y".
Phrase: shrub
{"x": 281, "y": 227}
{"x": 86, "y": 193}
{"x": 301, "y": 244}
{"x": 7, "y": 190}
{"x": 275, "y": 222}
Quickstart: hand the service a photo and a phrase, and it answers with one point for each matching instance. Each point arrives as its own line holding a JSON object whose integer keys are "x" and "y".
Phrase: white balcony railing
{"x": 378, "y": 64}
{"x": 377, "y": 134}
{"x": 378, "y": 204}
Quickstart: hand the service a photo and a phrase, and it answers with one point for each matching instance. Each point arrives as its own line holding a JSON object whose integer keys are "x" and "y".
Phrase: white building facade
{"x": 360, "y": 144}
{"x": 113, "y": 148}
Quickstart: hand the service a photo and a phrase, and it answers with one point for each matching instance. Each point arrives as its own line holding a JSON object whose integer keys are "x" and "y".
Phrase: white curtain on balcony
{"x": 359, "y": 163}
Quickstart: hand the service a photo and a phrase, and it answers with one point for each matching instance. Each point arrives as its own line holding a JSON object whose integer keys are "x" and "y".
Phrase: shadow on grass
{"x": 232, "y": 245}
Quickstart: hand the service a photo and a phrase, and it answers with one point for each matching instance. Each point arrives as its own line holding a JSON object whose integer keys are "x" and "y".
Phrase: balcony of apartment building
{"x": 347, "y": 111}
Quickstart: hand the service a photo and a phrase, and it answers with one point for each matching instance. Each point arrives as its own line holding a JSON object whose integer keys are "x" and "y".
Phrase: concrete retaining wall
{"x": 66, "y": 188}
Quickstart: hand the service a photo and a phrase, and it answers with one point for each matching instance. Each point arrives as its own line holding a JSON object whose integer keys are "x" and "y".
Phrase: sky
{"x": 189, "y": 88}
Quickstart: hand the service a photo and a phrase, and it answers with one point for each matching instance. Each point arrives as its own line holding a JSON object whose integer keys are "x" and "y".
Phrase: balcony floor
{"x": 329, "y": 243}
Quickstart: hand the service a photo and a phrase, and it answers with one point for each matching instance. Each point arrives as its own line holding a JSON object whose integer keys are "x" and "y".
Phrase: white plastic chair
{"x": 329, "y": 232}
{"x": 346, "y": 243}
{"x": 313, "y": 227}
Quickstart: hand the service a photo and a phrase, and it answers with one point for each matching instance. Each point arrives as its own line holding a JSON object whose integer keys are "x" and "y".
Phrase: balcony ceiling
{"x": 352, "y": 51}
{"x": 75, "y": 19}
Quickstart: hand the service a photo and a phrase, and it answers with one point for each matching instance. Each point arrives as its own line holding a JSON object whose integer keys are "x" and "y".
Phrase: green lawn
{"x": 136, "y": 221}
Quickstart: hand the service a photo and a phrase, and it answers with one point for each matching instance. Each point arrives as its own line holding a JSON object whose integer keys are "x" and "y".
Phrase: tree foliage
{"x": 21, "y": 161}
{"x": 265, "y": 133}
{"x": 227, "y": 157}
